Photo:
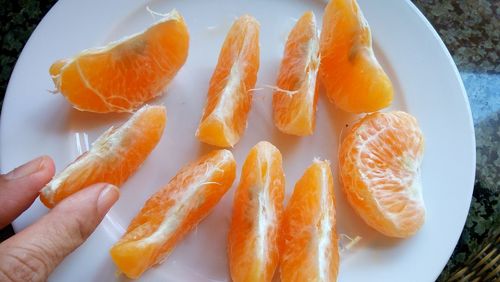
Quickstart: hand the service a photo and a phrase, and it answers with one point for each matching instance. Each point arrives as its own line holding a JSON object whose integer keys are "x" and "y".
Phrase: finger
{"x": 19, "y": 188}
{"x": 38, "y": 249}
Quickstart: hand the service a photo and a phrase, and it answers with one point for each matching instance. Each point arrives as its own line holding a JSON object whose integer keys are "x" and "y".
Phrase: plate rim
{"x": 470, "y": 124}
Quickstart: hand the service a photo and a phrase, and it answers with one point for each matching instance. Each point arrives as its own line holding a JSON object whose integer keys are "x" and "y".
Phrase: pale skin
{"x": 33, "y": 253}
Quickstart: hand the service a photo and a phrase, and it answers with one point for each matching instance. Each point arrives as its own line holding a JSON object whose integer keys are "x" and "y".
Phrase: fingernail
{"x": 27, "y": 169}
{"x": 108, "y": 196}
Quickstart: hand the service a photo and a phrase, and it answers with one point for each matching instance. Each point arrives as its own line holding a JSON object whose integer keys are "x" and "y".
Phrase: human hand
{"x": 32, "y": 254}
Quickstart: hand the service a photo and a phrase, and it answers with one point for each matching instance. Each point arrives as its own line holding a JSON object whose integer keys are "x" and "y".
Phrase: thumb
{"x": 32, "y": 254}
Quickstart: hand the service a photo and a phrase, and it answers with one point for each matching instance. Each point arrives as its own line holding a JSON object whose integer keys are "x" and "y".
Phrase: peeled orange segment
{"x": 308, "y": 241}
{"x": 122, "y": 75}
{"x": 257, "y": 210}
{"x": 380, "y": 170}
{"x": 294, "y": 102}
{"x": 113, "y": 158}
{"x": 349, "y": 70}
{"x": 173, "y": 211}
{"x": 229, "y": 95}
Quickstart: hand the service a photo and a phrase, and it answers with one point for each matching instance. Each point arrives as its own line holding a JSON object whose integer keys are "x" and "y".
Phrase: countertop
{"x": 470, "y": 30}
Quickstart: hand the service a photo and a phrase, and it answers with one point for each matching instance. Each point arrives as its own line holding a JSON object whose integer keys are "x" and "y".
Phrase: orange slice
{"x": 113, "y": 158}
{"x": 173, "y": 211}
{"x": 294, "y": 103}
{"x": 309, "y": 242}
{"x": 229, "y": 96}
{"x": 350, "y": 72}
{"x": 380, "y": 170}
{"x": 122, "y": 75}
{"x": 257, "y": 209}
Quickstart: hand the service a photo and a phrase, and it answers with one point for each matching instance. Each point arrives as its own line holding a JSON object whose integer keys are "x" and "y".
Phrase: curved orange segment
{"x": 173, "y": 211}
{"x": 294, "y": 103}
{"x": 229, "y": 95}
{"x": 257, "y": 209}
{"x": 379, "y": 163}
{"x": 123, "y": 75}
{"x": 113, "y": 158}
{"x": 350, "y": 72}
{"x": 308, "y": 241}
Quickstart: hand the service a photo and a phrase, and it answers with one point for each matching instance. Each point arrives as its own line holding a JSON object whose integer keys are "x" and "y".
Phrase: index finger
{"x": 20, "y": 187}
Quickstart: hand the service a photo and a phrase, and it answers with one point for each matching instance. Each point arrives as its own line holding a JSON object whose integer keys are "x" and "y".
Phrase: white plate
{"x": 427, "y": 85}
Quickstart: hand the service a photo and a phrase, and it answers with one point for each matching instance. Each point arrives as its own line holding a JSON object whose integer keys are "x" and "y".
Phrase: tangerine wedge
{"x": 380, "y": 170}
{"x": 257, "y": 210}
{"x": 173, "y": 211}
{"x": 122, "y": 75}
{"x": 229, "y": 95}
{"x": 308, "y": 241}
{"x": 294, "y": 102}
{"x": 113, "y": 158}
{"x": 349, "y": 70}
